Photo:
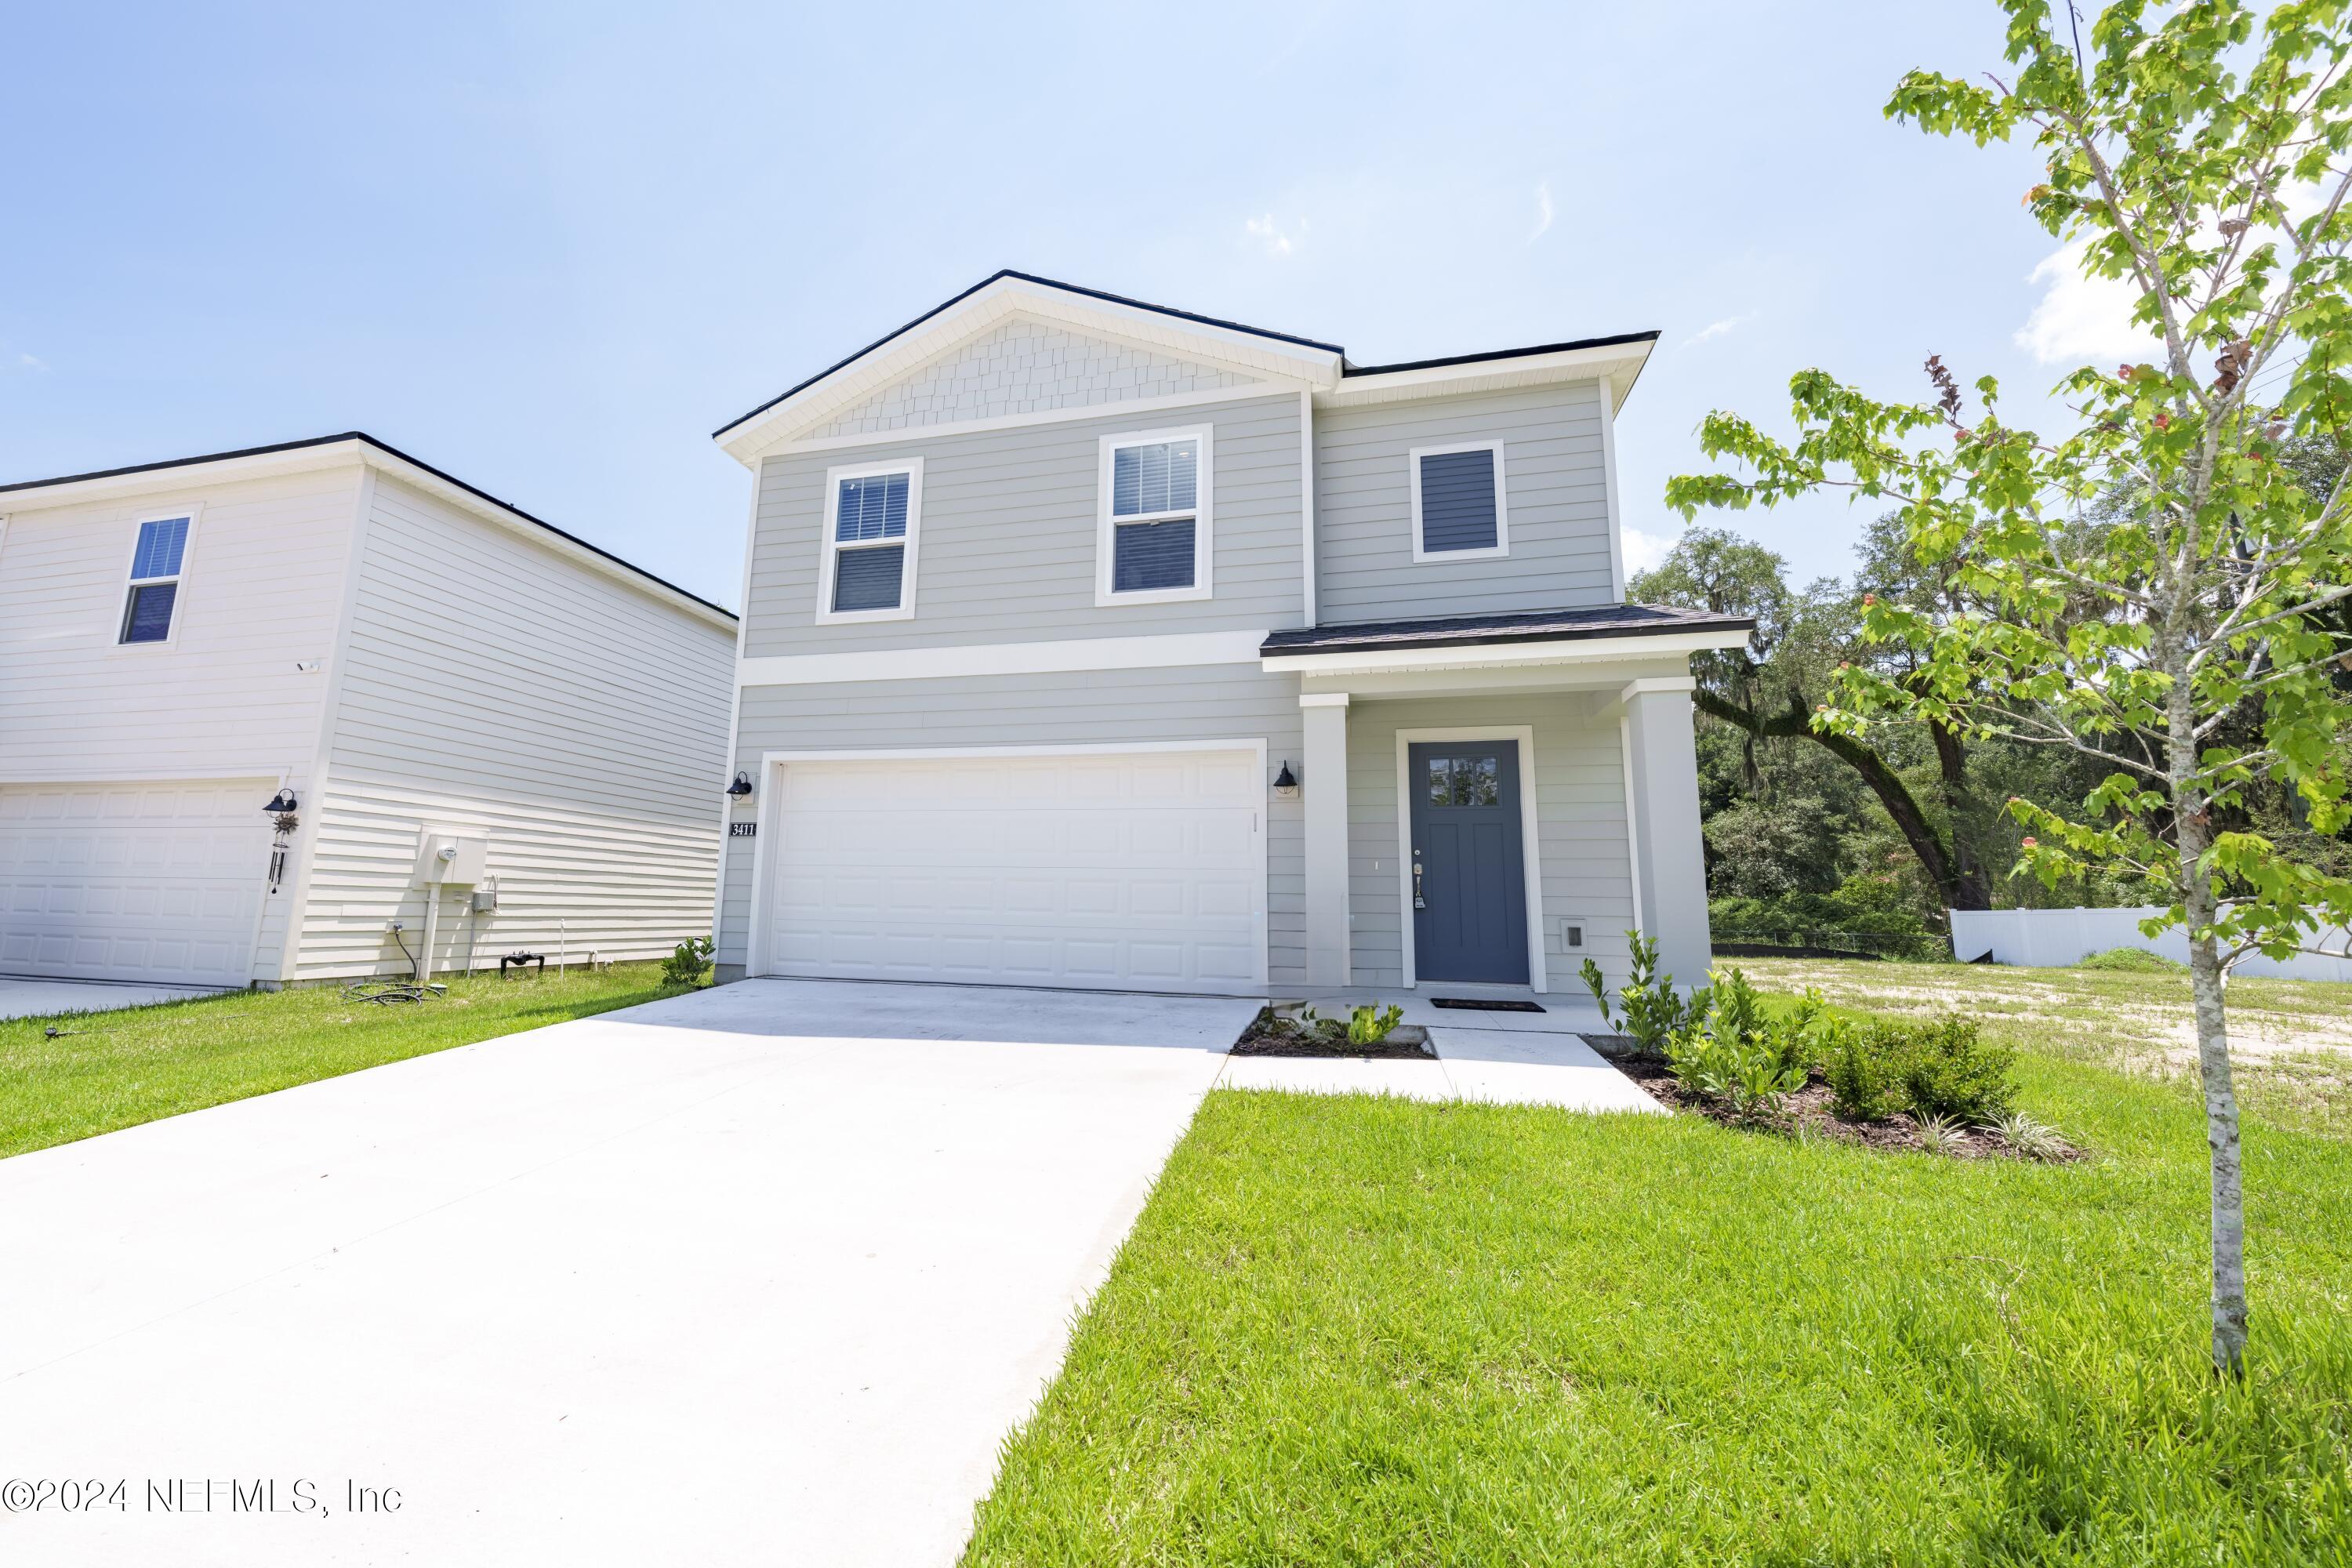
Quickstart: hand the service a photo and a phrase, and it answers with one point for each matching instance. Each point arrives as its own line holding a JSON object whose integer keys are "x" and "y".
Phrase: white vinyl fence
{"x": 2054, "y": 937}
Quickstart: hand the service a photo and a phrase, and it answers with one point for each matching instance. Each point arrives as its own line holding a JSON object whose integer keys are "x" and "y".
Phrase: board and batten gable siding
{"x": 1581, "y": 830}
{"x": 494, "y": 686}
{"x": 260, "y": 595}
{"x": 1006, "y": 543}
{"x": 1555, "y": 489}
{"x": 1200, "y": 702}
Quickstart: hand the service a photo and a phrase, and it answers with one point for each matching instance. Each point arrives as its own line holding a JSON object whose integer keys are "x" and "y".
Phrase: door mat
{"x": 1467, "y": 1006}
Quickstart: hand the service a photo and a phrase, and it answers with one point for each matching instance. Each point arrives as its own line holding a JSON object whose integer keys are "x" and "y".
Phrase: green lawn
{"x": 1350, "y": 1331}
{"x": 135, "y": 1064}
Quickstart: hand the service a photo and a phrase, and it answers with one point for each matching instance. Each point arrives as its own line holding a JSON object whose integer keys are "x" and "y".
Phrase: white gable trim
{"x": 911, "y": 349}
{"x": 1047, "y": 417}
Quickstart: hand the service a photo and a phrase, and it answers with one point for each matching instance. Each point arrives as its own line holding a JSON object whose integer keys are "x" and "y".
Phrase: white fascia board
{"x": 1061, "y": 656}
{"x": 180, "y": 478}
{"x": 1503, "y": 655}
{"x": 188, "y": 475}
{"x": 538, "y": 534}
{"x": 1614, "y": 364}
{"x": 751, "y": 438}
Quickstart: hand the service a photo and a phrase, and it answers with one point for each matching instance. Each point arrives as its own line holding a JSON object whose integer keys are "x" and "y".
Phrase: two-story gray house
{"x": 1092, "y": 643}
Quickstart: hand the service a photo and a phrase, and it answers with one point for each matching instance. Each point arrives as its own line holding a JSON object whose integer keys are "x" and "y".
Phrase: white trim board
{"x": 1063, "y": 655}
{"x": 947, "y": 429}
{"x": 769, "y": 845}
{"x": 1531, "y": 849}
{"x": 1503, "y": 655}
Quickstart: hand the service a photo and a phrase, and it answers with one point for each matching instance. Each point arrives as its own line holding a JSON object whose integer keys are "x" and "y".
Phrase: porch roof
{"x": 1525, "y": 627}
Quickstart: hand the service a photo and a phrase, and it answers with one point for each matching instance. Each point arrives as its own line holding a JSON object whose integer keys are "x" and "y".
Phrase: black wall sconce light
{"x": 740, "y": 790}
{"x": 279, "y": 804}
{"x": 1285, "y": 783}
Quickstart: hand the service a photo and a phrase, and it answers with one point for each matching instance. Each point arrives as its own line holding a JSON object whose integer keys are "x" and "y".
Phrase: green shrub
{"x": 1654, "y": 1012}
{"x": 687, "y": 962}
{"x": 1738, "y": 1054}
{"x": 1366, "y": 1028}
{"x": 1938, "y": 1067}
{"x": 2133, "y": 960}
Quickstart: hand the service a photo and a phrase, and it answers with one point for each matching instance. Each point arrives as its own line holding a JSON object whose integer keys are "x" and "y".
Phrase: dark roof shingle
{"x": 1528, "y": 625}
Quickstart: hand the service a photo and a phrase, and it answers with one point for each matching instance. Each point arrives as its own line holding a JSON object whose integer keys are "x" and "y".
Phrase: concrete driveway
{"x": 26, "y": 998}
{"x": 763, "y": 1274}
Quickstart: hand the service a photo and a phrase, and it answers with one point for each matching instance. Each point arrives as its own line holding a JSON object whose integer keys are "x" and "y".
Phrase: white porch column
{"x": 1669, "y": 866}
{"x": 1324, "y": 785}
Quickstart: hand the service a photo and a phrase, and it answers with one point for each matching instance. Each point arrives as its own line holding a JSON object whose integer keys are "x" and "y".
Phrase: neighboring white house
{"x": 1091, "y": 643}
{"x": 415, "y": 666}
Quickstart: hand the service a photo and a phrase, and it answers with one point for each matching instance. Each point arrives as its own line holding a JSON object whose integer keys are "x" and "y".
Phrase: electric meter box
{"x": 452, "y": 858}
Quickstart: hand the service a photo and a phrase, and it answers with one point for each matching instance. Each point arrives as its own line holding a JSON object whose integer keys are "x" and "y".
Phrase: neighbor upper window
{"x": 1155, "y": 539}
{"x": 871, "y": 519}
{"x": 1458, "y": 512}
{"x": 150, "y": 604}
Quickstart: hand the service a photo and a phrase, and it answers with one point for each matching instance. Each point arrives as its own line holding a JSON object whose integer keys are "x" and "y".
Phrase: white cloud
{"x": 2080, "y": 317}
{"x": 1543, "y": 210}
{"x": 1277, "y": 240}
{"x": 1644, "y": 551}
{"x": 1714, "y": 329}
{"x": 30, "y": 363}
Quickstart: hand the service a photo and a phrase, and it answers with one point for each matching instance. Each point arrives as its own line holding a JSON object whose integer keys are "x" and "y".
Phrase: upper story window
{"x": 1458, "y": 509}
{"x": 1155, "y": 539}
{"x": 873, "y": 516}
{"x": 151, "y": 602}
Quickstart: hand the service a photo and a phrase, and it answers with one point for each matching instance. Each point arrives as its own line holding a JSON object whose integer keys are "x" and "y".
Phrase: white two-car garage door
{"x": 157, "y": 881}
{"x": 1133, "y": 871}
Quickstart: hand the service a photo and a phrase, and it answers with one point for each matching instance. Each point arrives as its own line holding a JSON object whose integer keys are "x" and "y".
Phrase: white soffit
{"x": 988, "y": 307}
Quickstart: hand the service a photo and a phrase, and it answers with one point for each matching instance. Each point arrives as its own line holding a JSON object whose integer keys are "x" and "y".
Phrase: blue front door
{"x": 1470, "y": 898}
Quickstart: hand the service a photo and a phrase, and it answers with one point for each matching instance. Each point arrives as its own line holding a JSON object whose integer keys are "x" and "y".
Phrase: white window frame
{"x": 1203, "y": 516}
{"x": 1502, "y": 545}
{"x": 194, "y": 512}
{"x": 830, "y": 547}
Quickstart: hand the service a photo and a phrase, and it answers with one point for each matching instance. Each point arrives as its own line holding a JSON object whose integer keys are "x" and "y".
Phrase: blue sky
{"x": 548, "y": 248}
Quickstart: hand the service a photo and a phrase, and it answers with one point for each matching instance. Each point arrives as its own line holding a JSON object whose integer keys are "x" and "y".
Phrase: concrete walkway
{"x": 1507, "y": 1058}
{"x": 22, "y": 997}
{"x": 764, "y": 1274}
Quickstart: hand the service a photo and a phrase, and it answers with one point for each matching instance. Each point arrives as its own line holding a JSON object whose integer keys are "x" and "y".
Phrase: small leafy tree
{"x": 1653, "y": 1010}
{"x": 2151, "y": 587}
{"x": 687, "y": 962}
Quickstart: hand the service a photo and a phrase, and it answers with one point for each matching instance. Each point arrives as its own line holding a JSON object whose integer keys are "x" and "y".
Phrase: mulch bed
{"x": 1268, "y": 1036}
{"x": 1810, "y": 1108}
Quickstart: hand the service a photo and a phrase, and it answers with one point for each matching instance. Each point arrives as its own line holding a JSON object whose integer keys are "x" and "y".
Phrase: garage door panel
{"x": 1114, "y": 869}
{"x": 159, "y": 881}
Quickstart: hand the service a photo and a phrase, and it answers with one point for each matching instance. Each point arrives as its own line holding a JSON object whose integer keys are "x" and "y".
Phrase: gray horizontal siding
{"x": 1200, "y": 702}
{"x": 1579, "y": 826}
{"x": 1006, "y": 550}
{"x": 1554, "y": 488}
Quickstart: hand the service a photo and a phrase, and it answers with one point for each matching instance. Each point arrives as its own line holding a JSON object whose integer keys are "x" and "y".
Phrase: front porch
{"x": 1490, "y": 801}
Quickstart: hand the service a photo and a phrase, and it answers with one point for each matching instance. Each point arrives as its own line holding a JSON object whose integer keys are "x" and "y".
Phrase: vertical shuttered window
{"x": 1457, "y": 501}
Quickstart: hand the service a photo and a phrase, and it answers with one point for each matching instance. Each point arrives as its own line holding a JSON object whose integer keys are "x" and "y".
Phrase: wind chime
{"x": 281, "y": 807}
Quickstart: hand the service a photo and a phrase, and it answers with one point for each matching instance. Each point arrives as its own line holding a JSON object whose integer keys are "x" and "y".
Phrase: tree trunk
{"x": 1912, "y": 822}
{"x": 1971, "y": 884}
{"x": 2229, "y": 1196}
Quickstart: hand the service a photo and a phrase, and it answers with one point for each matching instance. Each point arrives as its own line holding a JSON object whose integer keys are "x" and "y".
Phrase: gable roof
{"x": 318, "y": 451}
{"x": 1323, "y": 367}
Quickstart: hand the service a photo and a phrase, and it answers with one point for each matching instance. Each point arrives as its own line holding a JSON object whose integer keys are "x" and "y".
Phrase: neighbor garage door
{"x": 1139, "y": 870}
{"x": 132, "y": 881}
